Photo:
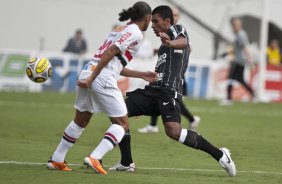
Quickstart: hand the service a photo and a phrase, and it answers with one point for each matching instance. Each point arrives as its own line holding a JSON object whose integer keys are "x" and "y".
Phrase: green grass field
{"x": 31, "y": 125}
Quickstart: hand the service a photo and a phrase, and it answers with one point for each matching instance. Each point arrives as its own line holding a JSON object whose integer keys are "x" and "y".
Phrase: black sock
{"x": 154, "y": 120}
{"x": 248, "y": 88}
{"x": 125, "y": 149}
{"x": 185, "y": 112}
{"x": 196, "y": 141}
{"x": 229, "y": 91}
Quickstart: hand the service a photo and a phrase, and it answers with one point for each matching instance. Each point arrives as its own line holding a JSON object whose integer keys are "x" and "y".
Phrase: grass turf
{"x": 32, "y": 125}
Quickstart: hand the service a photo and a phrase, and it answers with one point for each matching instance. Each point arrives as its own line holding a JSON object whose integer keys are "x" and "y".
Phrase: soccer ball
{"x": 38, "y": 69}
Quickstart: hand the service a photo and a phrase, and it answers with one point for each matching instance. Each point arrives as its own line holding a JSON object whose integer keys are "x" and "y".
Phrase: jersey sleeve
{"x": 177, "y": 30}
{"x": 128, "y": 38}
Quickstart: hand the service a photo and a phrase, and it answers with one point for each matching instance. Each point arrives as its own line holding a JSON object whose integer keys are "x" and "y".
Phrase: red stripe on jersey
{"x": 98, "y": 56}
{"x": 111, "y": 136}
{"x": 128, "y": 55}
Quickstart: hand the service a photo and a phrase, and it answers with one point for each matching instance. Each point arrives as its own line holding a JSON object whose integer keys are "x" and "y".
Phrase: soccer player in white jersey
{"x": 98, "y": 91}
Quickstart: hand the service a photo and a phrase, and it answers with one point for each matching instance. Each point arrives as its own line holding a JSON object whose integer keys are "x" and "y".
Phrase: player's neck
{"x": 168, "y": 26}
{"x": 140, "y": 24}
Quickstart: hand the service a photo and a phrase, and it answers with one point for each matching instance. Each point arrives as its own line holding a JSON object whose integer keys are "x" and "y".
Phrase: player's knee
{"x": 125, "y": 126}
{"x": 173, "y": 135}
{"x": 173, "y": 132}
{"x": 82, "y": 118}
{"x": 81, "y": 122}
{"x": 122, "y": 121}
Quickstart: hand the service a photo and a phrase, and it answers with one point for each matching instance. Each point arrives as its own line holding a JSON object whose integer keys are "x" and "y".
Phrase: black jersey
{"x": 172, "y": 63}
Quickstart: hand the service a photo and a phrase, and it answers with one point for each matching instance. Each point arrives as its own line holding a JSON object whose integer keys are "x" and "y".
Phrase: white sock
{"x": 71, "y": 134}
{"x": 183, "y": 136}
{"x": 112, "y": 137}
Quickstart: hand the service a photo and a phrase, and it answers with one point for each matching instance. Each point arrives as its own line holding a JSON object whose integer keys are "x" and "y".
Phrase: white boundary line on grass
{"x": 155, "y": 168}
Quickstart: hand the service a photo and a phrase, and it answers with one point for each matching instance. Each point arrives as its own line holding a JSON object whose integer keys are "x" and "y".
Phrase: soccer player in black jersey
{"x": 162, "y": 96}
{"x": 194, "y": 121}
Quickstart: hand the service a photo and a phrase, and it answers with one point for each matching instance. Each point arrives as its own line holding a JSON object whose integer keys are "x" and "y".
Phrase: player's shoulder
{"x": 131, "y": 34}
{"x": 242, "y": 33}
{"x": 130, "y": 31}
{"x": 134, "y": 29}
{"x": 127, "y": 28}
{"x": 177, "y": 27}
{"x": 176, "y": 30}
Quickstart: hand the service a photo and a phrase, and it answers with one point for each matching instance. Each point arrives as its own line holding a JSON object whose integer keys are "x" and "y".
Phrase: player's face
{"x": 236, "y": 25}
{"x": 176, "y": 15}
{"x": 78, "y": 36}
{"x": 159, "y": 24}
{"x": 147, "y": 22}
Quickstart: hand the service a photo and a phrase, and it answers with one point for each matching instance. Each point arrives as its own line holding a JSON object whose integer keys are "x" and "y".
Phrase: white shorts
{"x": 103, "y": 96}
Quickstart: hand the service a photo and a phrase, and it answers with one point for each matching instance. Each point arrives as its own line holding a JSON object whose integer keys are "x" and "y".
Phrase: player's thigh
{"x": 171, "y": 116}
{"x": 110, "y": 102}
{"x": 232, "y": 71}
{"x": 83, "y": 101}
{"x": 83, "y": 107}
{"x": 170, "y": 110}
{"x": 139, "y": 104}
{"x": 240, "y": 72}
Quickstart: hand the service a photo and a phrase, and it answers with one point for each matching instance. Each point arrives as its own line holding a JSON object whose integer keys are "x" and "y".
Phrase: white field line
{"x": 196, "y": 109}
{"x": 154, "y": 168}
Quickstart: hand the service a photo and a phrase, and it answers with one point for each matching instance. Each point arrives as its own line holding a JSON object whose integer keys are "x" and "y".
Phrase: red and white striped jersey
{"x": 127, "y": 39}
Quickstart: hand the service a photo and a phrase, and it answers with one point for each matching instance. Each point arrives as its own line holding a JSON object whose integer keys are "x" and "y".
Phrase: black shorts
{"x": 236, "y": 72}
{"x": 153, "y": 102}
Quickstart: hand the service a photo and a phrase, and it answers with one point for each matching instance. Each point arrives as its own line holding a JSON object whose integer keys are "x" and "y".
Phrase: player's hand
{"x": 165, "y": 39}
{"x": 84, "y": 83}
{"x": 150, "y": 76}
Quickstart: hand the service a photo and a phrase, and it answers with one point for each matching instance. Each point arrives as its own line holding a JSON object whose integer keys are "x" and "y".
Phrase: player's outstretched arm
{"x": 179, "y": 43}
{"x": 147, "y": 76}
{"x": 108, "y": 55}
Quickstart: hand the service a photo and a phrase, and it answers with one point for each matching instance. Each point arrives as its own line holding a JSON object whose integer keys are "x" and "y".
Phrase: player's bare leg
{"x": 194, "y": 140}
{"x": 111, "y": 138}
{"x": 126, "y": 163}
{"x": 72, "y": 132}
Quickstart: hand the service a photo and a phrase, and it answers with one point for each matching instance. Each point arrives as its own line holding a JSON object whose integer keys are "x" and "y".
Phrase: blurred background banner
{"x": 206, "y": 79}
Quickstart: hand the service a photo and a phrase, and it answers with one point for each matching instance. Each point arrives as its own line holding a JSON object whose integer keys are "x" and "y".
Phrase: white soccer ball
{"x": 38, "y": 69}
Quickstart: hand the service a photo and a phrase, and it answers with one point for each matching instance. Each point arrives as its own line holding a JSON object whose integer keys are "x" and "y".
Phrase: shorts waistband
{"x": 173, "y": 91}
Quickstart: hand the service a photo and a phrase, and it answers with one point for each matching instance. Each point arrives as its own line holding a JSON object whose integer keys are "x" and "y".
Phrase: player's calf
{"x": 173, "y": 130}
{"x": 196, "y": 141}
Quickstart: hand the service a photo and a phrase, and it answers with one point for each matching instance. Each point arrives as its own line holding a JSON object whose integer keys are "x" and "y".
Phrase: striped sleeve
{"x": 177, "y": 30}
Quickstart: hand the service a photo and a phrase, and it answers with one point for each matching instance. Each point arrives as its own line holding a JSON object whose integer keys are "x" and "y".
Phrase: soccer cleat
{"x": 120, "y": 167}
{"x": 227, "y": 163}
{"x": 57, "y": 166}
{"x": 95, "y": 165}
{"x": 148, "y": 129}
{"x": 194, "y": 124}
